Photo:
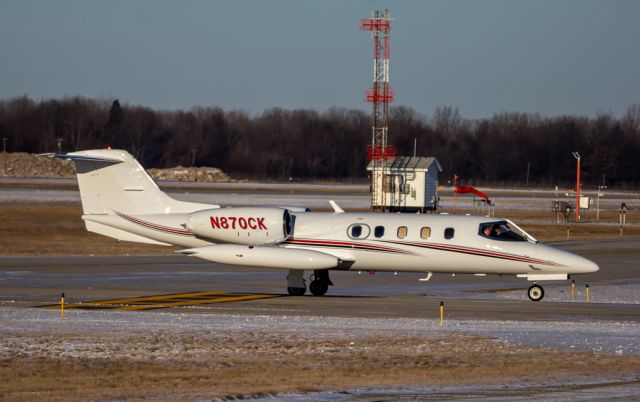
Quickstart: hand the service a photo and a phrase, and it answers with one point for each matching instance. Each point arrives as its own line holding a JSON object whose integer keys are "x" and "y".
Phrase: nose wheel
{"x": 535, "y": 292}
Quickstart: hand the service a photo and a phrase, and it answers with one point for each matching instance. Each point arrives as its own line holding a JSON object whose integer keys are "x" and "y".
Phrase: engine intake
{"x": 243, "y": 225}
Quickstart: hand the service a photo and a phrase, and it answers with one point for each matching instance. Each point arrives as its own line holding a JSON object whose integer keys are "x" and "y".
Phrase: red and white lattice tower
{"x": 380, "y": 95}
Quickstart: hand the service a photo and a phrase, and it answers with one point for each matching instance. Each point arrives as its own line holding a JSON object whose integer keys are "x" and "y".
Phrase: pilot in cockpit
{"x": 501, "y": 231}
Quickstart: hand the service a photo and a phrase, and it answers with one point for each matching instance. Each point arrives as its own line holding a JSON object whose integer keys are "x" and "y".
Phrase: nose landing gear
{"x": 535, "y": 292}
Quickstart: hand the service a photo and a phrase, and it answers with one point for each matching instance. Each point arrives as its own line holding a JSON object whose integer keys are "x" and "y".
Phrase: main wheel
{"x": 318, "y": 288}
{"x": 535, "y": 292}
{"x": 296, "y": 291}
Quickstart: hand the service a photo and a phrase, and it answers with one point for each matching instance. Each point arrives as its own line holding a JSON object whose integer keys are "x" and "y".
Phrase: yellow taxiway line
{"x": 163, "y": 301}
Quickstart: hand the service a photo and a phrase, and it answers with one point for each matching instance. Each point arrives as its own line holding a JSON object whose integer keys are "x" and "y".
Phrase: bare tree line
{"x": 507, "y": 148}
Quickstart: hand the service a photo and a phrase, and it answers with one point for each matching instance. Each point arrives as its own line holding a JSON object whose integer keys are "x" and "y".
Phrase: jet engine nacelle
{"x": 243, "y": 225}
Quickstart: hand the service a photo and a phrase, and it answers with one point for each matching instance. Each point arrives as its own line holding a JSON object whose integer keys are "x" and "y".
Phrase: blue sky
{"x": 551, "y": 57}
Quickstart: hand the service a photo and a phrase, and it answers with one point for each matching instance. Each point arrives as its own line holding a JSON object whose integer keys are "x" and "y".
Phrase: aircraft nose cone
{"x": 590, "y": 266}
{"x": 571, "y": 263}
{"x": 581, "y": 265}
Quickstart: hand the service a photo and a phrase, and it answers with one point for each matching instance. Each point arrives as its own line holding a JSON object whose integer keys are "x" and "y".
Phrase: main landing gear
{"x": 535, "y": 292}
{"x": 320, "y": 282}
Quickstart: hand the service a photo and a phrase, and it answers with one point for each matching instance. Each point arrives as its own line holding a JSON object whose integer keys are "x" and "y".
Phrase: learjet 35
{"x": 121, "y": 201}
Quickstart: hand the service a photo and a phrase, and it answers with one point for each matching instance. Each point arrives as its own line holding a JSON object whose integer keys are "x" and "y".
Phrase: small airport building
{"x": 408, "y": 183}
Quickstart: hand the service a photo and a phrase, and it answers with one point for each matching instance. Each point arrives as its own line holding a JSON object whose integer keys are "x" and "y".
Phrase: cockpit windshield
{"x": 504, "y": 231}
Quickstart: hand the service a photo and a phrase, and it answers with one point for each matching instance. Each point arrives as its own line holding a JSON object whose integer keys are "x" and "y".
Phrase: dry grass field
{"x": 58, "y": 230}
{"x": 171, "y": 366}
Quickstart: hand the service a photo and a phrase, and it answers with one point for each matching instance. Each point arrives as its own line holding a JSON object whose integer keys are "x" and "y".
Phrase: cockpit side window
{"x": 501, "y": 231}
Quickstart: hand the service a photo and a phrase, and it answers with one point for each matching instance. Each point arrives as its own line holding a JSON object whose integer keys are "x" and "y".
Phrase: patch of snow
{"x": 620, "y": 338}
{"x": 621, "y": 294}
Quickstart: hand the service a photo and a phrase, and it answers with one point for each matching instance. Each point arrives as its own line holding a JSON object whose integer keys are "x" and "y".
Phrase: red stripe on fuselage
{"x": 155, "y": 226}
{"x": 342, "y": 244}
{"x": 467, "y": 250}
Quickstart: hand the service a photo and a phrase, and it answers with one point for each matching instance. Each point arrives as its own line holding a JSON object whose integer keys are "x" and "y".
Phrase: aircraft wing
{"x": 266, "y": 256}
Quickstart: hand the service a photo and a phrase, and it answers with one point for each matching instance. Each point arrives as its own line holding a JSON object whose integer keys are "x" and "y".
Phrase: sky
{"x": 551, "y": 57}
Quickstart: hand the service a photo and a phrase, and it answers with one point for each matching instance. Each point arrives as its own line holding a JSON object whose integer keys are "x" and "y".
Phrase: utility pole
{"x": 4, "y": 144}
{"x": 600, "y": 194}
{"x": 577, "y": 156}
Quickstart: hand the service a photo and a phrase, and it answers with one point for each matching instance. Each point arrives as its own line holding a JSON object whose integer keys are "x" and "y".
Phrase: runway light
{"x": 62, "y": 305}
{"x": 441, "y": 314}
{"x": 573, "y": 289}
{"x": 587, "y": 290}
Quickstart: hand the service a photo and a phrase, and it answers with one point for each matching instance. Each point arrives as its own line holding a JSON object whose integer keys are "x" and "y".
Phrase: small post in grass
{"x": 587, "y": 290}
{"x": 573, "y": 289}
{"x": 441, "y": 314}
{"x": 62, "y": 305}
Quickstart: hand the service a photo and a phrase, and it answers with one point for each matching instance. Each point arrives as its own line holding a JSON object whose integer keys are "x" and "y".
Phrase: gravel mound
{"x": 179, "y": 173}
{"x": 20, "y": 164}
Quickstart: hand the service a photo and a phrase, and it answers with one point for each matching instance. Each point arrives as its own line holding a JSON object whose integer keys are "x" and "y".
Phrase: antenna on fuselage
{"x": 336, "y": 207}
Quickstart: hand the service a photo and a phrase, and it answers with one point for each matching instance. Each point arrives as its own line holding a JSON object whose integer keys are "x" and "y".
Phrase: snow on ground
{"x": 618, "y": 338}
{"x": 577, "y": 390}
{"x": 620, "y": 294}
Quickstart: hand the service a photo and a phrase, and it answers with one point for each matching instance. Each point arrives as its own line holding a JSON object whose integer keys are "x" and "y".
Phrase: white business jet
{"x": 121, "y": 201}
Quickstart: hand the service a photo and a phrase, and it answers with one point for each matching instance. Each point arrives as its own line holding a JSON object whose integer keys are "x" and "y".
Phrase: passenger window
{"x": 448, "y": 233}
{"x": 357, "y": 231}
{"x": 378, "y": 231}
{"x": 425, "y": 232}
{"x": 402, "y": 232}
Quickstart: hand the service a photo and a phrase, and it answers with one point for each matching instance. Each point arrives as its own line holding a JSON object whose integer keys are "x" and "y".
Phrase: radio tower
{"x": 380, "y": 95}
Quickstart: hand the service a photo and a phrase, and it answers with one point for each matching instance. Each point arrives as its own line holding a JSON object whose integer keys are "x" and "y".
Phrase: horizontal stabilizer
{"x": 83, "y": 158}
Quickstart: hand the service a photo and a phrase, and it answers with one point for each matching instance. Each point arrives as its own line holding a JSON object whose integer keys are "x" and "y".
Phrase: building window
{"x": 358, "y": 231}
{"x": 378, "y": 231}
{"x": 402, "y": 232}
{"x": 448, "y": 233}
{"x": 425, "y": 232}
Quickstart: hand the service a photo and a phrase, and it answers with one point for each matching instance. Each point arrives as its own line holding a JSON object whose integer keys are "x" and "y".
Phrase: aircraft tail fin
{"x": 113, "y": 180}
